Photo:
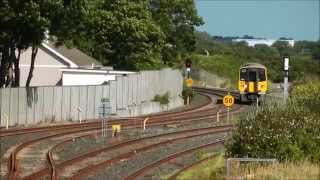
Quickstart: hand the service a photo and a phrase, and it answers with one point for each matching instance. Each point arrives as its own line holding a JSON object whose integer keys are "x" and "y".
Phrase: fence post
{"x": 80, "y": 111}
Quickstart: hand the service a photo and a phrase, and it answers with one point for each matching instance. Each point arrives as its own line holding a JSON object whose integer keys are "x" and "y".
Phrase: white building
{"x": 268, "y": 42}
{"x": 78, "y": 76}
{"x": 64, "y": 66}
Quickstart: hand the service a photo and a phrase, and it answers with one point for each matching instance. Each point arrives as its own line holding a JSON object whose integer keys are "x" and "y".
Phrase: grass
{"x": 215, "y": 169}
{"x": 221, "y": 65}
{"x": 205, "y": 170}
{"x": 297, "y": 171}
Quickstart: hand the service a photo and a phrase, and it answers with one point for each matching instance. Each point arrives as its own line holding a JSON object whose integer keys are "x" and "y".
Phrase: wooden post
{"x": 144, "y": 123}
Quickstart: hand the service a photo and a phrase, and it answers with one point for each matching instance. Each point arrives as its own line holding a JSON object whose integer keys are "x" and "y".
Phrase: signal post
{"x": 189, "y": 80}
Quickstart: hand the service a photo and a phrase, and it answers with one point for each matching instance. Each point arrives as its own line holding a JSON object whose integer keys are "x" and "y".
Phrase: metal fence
{"x": 23, "y": 106}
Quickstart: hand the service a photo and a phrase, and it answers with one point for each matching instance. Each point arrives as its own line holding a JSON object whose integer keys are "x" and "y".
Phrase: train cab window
{"x": 252, "y": 76}
{"x": 243, "y": 74}
{"x": 262, "y": 74}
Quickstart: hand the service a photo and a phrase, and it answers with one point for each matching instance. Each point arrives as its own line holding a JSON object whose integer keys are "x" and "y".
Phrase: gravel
{"x": 122, "y": 169}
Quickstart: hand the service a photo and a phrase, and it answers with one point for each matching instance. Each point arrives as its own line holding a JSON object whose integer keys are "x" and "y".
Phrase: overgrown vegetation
{"x": 211, "y": 169}
{"x": 187, "y": 92}
{"x": 282, "y": 131}
{"x": 227, "y": 56}
{"x": 300, "y": 170}
{"x": 162, "y": 99}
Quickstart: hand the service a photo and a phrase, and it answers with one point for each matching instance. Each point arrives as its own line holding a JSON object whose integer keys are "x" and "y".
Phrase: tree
{"x": 23, "y": 24}
{"x": 125, "y": 34}
{"x": 177, "y": 19}
{"x": 283, "y": 47}
{"x": 120, "y": 33}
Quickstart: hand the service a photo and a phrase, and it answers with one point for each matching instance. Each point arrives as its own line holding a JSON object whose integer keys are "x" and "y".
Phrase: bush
{"x": 162, "y": 99}
{"x": 187, "y": 91}
{"x": 285, "y": 132}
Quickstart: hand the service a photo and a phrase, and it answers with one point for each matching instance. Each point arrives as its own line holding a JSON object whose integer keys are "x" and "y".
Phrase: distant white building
{"x": 268, "y": 42}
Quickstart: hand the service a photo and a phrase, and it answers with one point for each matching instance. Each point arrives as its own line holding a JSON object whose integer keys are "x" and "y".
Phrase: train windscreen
{"x": 252, "y": 74}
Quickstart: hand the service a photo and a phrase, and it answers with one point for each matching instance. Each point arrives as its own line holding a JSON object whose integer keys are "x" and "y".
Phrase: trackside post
{"x": 228, "y": 101}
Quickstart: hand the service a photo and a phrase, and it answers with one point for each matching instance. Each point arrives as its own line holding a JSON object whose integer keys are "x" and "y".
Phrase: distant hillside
{"x": 225, "y": 57}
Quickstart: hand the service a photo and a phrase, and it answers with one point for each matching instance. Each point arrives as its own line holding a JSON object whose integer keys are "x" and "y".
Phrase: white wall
{"x": 69, "y": 79}
{"x": 46, "y": 72}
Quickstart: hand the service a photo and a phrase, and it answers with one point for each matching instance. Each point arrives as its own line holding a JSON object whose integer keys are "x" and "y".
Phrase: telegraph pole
{"x": 286, "y": 76}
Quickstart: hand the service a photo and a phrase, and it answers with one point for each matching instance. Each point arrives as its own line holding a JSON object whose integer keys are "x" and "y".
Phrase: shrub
{"x": 285, "y": 132}
{"x": 187, "y": 91}
{"x": 162, "y": 99}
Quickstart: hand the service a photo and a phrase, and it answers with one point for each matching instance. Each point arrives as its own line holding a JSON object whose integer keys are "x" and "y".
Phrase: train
{"x": 253, "y": 82}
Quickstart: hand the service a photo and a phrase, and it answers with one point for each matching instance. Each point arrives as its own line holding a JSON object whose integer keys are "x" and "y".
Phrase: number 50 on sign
{"x": 228, "y": 100}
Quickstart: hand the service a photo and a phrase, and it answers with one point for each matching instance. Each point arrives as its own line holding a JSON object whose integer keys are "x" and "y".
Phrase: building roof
{"x": 96, "y": 71}
{"x": 74, "y": 55}
{"x": 253, "y": 65}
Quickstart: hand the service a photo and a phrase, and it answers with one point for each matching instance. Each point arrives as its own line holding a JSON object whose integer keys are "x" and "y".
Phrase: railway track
{"x": 199, "y": 112}
{"x": 175, "y": 175}
{"x": 133, "y": 147}
{"x": 139, "y": 173}
{"x": 13, "y": 165}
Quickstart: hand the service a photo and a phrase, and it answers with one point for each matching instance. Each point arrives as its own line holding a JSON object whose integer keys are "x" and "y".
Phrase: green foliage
{"x": 187, "y": 92}
{"x": 227, "y": 56}
{"x": 162, "y": 99}
{"x": 177, "y": 19}
{"x": 308, "y": 96}
{"x": 133, "y": 35}
{"x": 23, "y": 25}
{"x": 222, "y": 65}
{"x": 285, "y": 132}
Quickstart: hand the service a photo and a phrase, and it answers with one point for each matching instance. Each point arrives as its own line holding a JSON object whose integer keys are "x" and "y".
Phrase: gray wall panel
{"x": 5, "y": 106}
{"x": 74, "y": 104}
{"x": 31, "y": 98}
{"x": 48, "y": 104}
{"x": 125, "y": 92}
{"x": 61, "y": 103}
{"x": 91, "y": 102}
{"x": 83, "y": 101}
{"x": 113, "y": 96}
{"x": 14, "y": 103}
{"x": 57, "y": 101}
{"x": 119, "y": 99}
{"x": 98, "y": 97}
{"x": 22, "y": 106}
{"x": 38, "y": 104}
{"x": 65, "y": 109}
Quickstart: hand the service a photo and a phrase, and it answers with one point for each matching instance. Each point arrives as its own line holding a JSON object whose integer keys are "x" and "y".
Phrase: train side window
{"x": 262, "y": 74}
{"x": 243, "y": 74}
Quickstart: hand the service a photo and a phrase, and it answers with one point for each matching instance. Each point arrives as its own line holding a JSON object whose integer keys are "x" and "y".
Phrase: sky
{"x": 297, "y": 19}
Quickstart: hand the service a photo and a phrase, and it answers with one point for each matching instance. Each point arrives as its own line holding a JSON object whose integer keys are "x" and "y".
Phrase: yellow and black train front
{"x": 252, "y": 81}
